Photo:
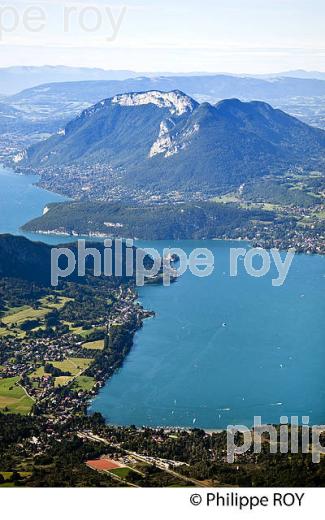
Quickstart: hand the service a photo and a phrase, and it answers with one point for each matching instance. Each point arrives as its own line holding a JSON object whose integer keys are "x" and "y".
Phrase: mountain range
{"x": 168, "y": 141}
{"x": 214, "y": 88}
{"x": 17, "y": 78}
{"x": 48, "y": 107}
{"x": 299, "y": 73}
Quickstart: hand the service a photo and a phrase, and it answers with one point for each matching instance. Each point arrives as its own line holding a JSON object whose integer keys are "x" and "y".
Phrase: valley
{"x": 170, "y": 161}
{"x": 59, "y": 348}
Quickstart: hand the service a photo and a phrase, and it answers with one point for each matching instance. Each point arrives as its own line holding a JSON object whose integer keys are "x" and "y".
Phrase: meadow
{"x": 13, "y": 398}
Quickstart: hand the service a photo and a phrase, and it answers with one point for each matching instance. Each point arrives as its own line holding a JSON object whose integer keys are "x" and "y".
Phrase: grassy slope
{"x": 14, "y": 397}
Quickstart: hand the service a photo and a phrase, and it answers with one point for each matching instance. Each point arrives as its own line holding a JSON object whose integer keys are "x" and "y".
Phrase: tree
{"x": 15, "y": 477}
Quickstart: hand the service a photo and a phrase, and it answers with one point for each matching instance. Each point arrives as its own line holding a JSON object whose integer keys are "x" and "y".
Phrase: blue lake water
{"x": 20, "y": 201}
{"x": 220, "y": 350}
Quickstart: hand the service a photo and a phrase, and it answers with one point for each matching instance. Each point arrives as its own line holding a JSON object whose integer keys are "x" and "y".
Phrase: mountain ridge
{"x": 181, "y": 144}
{"x": 49, "y": 106}
{"x": 17, "y": 78}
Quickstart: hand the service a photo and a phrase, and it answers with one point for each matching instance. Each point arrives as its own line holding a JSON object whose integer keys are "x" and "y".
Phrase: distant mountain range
{"x": 217, "y": 87}
{"x": 168, "y": 141}
{"x": 16, "y": 79}
{"x": 57, "y": 103}
{"x": 303, "y": 74}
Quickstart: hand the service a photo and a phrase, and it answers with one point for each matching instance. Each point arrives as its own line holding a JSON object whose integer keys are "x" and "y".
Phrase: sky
{"x": 234, "y": 36}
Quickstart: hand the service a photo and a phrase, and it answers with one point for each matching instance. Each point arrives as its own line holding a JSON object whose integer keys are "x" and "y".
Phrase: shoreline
{"x": 141, "y": 315}
{"x": 309, "y": 248}
{"x": 253, "y": 243}
{"x": 95, "y": 234}
{"x": 172, "y": 429}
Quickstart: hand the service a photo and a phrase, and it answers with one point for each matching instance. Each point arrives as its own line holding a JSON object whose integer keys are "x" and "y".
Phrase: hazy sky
{"x": 253, "y": 36}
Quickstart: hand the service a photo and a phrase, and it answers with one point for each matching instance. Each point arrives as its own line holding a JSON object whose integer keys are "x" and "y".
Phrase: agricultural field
{"x": 94, "y": 345}
{"x": 75, "y": 366}
{"x": 38, "y": 373}
{"x": 84, "y": 383}
{"x": 62, "y": 381}
{"x": 13, "y": 398}
{"x": 55, "y": 302}
{"x": 226, "y": 199}
{"x": 80, "y": 331}
{"x": 16, "y": 317}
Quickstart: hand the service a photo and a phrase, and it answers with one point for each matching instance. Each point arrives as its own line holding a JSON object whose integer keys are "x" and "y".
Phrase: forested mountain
{"x": 171, "y": 222}
{"x": 45, "y": 99}
{"x": 22, "y": 259}
{"x": 167, "y": 141}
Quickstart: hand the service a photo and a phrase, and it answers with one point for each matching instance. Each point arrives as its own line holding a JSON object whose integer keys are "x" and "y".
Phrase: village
{"x": 57, "y": 374}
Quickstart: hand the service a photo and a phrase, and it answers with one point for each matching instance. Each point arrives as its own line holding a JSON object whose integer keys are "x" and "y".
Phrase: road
{"x": 143, "y": 458}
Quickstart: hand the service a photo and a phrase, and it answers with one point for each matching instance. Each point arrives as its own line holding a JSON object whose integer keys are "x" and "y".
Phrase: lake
{"x": 220, "y": 350}
{"x": 20, "y": 201}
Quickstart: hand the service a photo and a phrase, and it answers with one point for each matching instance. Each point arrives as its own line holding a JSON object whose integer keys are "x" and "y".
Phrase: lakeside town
{"x": 58, "y": 348}
{"x": 48, "y": 376}
{"x": 295, "y": 205}
{"x": 58, "y": 370}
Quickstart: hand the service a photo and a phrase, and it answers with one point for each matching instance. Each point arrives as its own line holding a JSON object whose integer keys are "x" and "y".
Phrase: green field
{"x": 94, "y": 345}
{"x": 13, "y": 398}
{"x": 53, "y": 302}
{"x": 226, "y": 199}
{"x": 80, "y": 331}
{"x": 74, "y": 366}
{"x": 121, "y": 472}
{"x": 319, "y": 214}
{"x": 15, "y": 317}
{"x": 14, "y": 310}
{"x": 84, "y": 383}
{"x": 28, "y": 313}
{"x": 39, "y": 372}
{"x": 62, "y": 381}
